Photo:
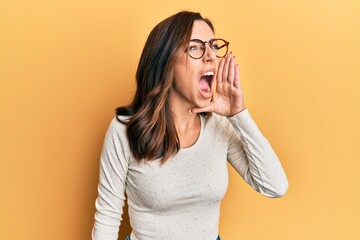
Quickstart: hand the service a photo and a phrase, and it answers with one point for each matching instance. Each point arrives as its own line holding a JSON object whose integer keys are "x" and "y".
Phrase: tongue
{"x": 204, "y": 85}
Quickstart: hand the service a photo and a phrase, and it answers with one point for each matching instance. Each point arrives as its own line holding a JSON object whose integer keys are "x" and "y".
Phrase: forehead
{"x": 202, "y": 31}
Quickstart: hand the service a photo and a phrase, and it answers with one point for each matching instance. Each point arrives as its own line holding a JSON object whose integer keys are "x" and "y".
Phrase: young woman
{"x": 168, "y": 150}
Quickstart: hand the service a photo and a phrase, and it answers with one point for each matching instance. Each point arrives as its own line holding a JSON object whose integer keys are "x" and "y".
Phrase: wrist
{"x": 237, "y": 111}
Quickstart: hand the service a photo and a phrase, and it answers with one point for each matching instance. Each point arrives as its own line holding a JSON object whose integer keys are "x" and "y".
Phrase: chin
{"x": 203, "y": 103}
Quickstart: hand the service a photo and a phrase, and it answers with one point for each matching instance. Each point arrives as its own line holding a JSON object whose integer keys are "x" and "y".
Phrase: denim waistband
{"x": 128, "y": 238}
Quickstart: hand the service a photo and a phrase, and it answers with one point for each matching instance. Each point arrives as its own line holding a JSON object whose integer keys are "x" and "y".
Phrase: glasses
{"x": 197, "y": 47}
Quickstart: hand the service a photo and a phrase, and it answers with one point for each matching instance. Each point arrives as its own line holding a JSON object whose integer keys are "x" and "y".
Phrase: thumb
{"x": 209, "y": 108}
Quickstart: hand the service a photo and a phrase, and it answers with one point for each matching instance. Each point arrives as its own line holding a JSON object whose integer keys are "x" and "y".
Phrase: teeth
{"x": 209, "y": 73}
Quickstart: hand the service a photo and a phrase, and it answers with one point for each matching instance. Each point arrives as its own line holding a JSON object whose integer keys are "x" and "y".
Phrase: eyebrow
{"x": 196, "y": 39}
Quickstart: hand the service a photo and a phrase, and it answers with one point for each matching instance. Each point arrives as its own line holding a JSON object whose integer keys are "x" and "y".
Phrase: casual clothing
{"x": 181, "y": 198}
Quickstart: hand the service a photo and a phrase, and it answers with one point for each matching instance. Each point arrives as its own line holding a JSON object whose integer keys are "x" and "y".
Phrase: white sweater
{"x": 181, "y": 199}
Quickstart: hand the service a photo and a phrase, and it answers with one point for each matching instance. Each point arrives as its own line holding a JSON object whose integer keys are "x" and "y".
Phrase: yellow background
{"x": 66, "y": 65}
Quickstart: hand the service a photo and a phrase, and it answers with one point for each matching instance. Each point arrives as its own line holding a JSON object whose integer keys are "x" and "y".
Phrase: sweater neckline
{"x": 197, "y": 142}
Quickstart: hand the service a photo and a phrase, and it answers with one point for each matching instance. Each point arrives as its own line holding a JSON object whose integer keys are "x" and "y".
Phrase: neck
{"x": 187, "y": 124}
{"x": 184, "y": 120}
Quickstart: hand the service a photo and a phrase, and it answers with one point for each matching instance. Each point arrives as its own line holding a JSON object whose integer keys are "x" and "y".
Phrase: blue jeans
{"x": 128, "y": 238}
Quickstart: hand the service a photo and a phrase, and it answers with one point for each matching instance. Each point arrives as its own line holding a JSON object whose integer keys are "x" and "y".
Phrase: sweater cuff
{"x": 242, "y": 116}
{"x": 243, "y": 121}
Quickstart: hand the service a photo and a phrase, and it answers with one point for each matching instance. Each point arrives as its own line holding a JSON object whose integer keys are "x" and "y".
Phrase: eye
{"x": 215, "y": 46}
{"x": 193, "y": 47}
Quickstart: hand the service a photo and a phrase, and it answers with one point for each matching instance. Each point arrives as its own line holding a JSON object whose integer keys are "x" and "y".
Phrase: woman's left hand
{"x": 229, "y": 98}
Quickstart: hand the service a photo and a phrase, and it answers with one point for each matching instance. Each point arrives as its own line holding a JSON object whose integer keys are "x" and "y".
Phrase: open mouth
{"x": 205, "y": 83}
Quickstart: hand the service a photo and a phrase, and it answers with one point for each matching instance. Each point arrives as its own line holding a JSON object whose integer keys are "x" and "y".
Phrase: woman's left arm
{"x": 249, "y": 151}
{"x": 253, "y": 158}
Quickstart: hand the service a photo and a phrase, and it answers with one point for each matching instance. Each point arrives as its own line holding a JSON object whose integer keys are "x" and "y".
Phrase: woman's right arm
{"x": 111, "y": 189}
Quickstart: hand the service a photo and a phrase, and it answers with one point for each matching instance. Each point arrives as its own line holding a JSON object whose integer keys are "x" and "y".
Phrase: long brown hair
{"x": 150, "y": 129}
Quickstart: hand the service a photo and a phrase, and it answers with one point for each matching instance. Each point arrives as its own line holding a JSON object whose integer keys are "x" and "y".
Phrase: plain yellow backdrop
{"x": 66, "y": 65}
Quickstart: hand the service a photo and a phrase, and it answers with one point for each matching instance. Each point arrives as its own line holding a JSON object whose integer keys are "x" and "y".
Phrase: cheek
{"x": 187, "y": 72}
{"x": 181, "y": 71}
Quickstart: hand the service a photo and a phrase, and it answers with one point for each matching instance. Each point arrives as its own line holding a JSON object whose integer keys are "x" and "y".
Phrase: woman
{"x": 168, "y": 149}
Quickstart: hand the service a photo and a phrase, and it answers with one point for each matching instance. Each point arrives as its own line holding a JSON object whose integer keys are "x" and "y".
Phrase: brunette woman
{"x": 168, "y": 149}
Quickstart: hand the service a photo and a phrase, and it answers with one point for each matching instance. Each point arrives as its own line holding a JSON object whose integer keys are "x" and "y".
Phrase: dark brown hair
{"x": 150, "y": 129}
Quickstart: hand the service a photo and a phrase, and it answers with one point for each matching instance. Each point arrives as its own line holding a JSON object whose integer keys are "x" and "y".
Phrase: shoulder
{"x": 116, "y": 138}
{"x": 117, "y": 127}
{"x": 118, "y": 122}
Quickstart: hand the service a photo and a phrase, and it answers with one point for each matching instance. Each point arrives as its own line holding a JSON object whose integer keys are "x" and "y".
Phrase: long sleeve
{"x": 111, "y": 189}
{"x": 254, "y": 159}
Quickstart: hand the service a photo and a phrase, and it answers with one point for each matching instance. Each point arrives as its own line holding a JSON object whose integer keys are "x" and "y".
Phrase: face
{"x": 194, "y": 79}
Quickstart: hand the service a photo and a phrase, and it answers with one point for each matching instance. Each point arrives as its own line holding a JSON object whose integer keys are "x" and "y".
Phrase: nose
{"x": 209, "y": 55}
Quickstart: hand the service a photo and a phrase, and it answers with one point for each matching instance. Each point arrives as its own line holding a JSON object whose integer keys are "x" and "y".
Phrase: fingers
{"x": 231, "y": 73}
{"x": 220, "y": 70}
{"x": 225, "y": 71}
{"x": 237, "y": 77}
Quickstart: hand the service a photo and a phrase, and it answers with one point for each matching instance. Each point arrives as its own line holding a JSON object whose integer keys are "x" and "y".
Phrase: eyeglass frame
{"x": 210, "y": 45}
